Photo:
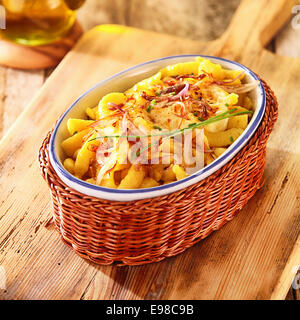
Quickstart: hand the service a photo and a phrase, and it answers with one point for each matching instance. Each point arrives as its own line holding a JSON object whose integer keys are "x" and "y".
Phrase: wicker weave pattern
{"x": 149, "y": 230}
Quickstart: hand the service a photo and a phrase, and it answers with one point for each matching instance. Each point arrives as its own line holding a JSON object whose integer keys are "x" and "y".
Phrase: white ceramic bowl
{"x": 122, "y": 81}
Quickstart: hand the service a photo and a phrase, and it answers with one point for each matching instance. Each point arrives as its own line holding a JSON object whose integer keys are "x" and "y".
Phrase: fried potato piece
{"x": 76, "y": 125}
{"x": 85, "y": 157}
{"x": 133, "y": 179}
{"x": 240, "y": 121}
{"x": 71, "y": 144}
{"x": 181, "y": 69}
{"x": 149, "y": 183}
{"x": 179, "y": 172}
{"x": 69, "y": 165}
{"x": 219, "y": 151}
{"x": 223, "y": 139}
{"x": 114, "y": 97}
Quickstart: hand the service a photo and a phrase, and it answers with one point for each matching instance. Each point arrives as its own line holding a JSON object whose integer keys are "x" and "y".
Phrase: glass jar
{"x": 37, "y": 22}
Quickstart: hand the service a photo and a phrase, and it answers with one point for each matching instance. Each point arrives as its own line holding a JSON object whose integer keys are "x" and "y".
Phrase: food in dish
{"x": 161, "y": 130}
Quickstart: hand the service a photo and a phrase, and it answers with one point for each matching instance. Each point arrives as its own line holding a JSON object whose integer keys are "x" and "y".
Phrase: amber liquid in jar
{"x": 37, "y": 22}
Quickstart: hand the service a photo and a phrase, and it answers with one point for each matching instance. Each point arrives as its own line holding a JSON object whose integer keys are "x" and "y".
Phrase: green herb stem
{"x": 192, "y": 126}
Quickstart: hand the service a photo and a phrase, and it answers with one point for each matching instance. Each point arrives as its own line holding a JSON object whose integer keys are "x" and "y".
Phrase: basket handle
{"x": 254, "y": 24}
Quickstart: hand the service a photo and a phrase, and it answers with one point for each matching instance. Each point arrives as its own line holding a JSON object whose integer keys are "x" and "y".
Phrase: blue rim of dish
{"x": 247, "y": 133}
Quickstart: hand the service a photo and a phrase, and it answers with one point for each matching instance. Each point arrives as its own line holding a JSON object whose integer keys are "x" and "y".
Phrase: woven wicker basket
{"x": 150, "y": 230}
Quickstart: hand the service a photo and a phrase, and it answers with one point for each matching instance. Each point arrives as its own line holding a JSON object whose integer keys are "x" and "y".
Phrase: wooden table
{"x": 16, "y": 89}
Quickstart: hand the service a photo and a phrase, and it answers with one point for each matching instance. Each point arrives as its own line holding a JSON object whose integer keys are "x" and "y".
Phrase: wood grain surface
{"x": 251, "y": 257}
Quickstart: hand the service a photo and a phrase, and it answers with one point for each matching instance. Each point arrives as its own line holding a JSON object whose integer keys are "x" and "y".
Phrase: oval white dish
{"x": 122, "y": 81}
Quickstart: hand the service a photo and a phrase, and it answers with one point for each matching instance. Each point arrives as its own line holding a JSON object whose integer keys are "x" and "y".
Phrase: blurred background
{"x": 193, "y": 19}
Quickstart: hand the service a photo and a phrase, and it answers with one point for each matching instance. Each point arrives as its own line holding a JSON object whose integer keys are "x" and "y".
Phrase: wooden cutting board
{"x": 252, "y": 257}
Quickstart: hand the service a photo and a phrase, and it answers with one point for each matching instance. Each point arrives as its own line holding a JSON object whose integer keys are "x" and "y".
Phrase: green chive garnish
{"x": 157, "y": 127}
{"x": 149, "y": 108}
{"x": 192, "y": 126}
